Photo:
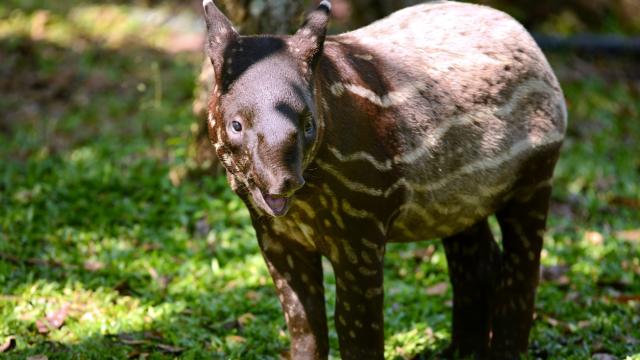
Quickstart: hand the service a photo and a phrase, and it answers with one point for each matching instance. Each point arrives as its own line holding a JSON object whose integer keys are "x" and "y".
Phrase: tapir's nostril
{"x": 289, "y": 185}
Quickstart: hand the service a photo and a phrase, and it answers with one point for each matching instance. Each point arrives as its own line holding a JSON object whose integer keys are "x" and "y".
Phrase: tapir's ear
{"x": 308, "y": 40}
{"x": 220, "y": 34}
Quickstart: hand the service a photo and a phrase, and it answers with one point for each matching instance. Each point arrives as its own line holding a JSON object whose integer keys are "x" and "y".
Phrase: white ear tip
{"x": 206, "y": 2}
{"x": 326, "y": 3}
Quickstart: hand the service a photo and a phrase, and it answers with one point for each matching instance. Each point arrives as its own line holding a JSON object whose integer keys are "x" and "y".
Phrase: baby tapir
{"x": 418, "y": 126}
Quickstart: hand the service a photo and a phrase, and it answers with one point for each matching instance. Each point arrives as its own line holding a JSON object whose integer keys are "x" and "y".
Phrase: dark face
{"x": 264, "y": 126}
{"x": 262, "y": 117}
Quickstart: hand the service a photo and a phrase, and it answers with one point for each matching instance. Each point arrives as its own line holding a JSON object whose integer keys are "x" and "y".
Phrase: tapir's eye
{"x": 237, "y": 127}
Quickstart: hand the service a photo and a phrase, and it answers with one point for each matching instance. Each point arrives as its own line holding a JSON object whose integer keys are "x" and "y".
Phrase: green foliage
{"x": 99, "y": 224}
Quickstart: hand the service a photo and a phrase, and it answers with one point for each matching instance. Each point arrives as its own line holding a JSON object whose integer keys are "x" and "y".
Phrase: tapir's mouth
{"x": 272, "y": 204}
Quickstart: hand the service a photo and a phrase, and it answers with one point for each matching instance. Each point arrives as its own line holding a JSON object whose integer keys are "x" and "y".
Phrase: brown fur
{"x": 425, "y": 123}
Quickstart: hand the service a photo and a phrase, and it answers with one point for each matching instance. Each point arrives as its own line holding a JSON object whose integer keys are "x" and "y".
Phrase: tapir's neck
{"x": 350, "y": 84}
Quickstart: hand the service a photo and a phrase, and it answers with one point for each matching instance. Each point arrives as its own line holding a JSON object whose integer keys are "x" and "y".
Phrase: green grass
{"x": 97, "y": 217}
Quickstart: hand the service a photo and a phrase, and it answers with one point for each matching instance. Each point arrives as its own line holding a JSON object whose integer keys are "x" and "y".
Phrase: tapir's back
{"x": 457, "y": 98}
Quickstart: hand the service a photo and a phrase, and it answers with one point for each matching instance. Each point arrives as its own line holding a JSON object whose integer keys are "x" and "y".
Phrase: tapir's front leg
{"x": 297, "y": 275}
{"x": 359, "y": 289}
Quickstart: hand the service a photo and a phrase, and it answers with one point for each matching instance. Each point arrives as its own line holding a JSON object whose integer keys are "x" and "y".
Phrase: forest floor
{"x": 107, "y": 249}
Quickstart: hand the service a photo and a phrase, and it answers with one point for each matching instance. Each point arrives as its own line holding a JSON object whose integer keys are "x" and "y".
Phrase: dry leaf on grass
{"x": 603, "y": 356}
{"x": 593, "y": 238}
{"x": 623, "y": 299}
{"x": 245, "y": 319}
{"x": 38, "y": 357}
{"x": 170, "y": 349}
{"x": 235, "y": 339}
{"x": 438, "y": 289}
{"x": 629, "y": 235}
{"x": 8, "y": 345}
{"x": 625, "y": 202}
{"x": 53, "y": 320}
{"x": 93, "y": 266}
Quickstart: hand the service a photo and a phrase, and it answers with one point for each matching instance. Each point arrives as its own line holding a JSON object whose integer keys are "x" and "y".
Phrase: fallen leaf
{"x": 253, "y": 295}
{"x": 424, "y": 254}
{"x": 438, "y": 289}
{"x": 132, "y": 339}
{"x": 245, "y": 319}
{"x": 603, "y": 356}
{"x": 137, "y": 354}
{"x": 562, "y": 280}
{"x": 551, "y": 321}
{"x": 38, "y": 357}
{"x": 161, "y": 280}
{"x": 623, "y": 299}
{"x": 593, "y": 238}
{"x": 53, "y": 320}
{"x": 235, "y": 339}
{"x": 583, "y": 324}
{"x": 629, "y": 235}
{"x": 153, "y": 335}
{"x": 39, "y": 24}
{"x": 134, "y": 342}
{"x": 170, "y": 349}
{"x": 41, "y": 326}
{"x": 8, "y": 345}
{"x": 625, "y": 202}
{"x": 56, "y": 319}
{"x": 93, "y": 266}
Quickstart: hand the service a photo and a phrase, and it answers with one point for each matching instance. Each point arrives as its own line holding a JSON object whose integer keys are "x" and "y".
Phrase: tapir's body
{"x": 428, "y": 122}
{"x": 463, "y": 100}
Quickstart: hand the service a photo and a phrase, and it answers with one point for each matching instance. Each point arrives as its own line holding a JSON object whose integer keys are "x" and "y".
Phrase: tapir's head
{"x": 262, "y": 117}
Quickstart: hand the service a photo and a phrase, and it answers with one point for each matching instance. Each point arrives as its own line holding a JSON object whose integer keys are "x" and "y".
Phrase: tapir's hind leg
{"x": 522, "y": 222}
{"x": 473, "y": 257}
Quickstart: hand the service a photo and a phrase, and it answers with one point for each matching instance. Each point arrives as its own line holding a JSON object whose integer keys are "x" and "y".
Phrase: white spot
{"x": 337, "y": 89}
{"x": 307, "y": 209}
{"x": 351, "y": 255}
{"x": 326, "y": 3}
{"x": 366, "y": 57}
{"x": 362, "y": 214}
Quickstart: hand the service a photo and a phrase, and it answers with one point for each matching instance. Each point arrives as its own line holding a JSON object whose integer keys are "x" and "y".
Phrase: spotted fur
{"x": 418, "y": 126}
